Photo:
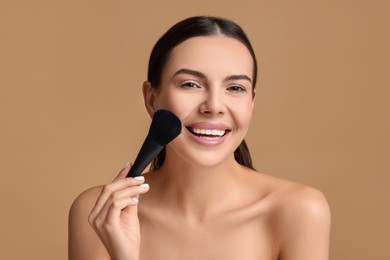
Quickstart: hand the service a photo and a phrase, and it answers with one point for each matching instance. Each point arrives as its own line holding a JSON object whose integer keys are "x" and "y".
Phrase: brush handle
{"x": 149, "y": 150}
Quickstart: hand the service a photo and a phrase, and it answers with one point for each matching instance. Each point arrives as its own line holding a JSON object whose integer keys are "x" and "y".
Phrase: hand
{"x": 115, "y": 215}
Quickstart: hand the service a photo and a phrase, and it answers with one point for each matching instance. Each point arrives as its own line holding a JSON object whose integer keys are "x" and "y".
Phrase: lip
{"x": 204, "y": 141}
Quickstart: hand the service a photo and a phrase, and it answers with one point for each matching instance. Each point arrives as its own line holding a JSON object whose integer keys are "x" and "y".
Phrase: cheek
{"x": 243, "y": 113}
{"x": 175, "y": 102}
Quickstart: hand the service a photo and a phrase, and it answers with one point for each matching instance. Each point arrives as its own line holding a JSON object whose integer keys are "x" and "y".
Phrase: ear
{"x": 149, "y": 97}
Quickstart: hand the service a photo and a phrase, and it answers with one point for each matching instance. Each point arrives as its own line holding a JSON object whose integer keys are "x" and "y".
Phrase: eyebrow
{"x": 203, "y": 76}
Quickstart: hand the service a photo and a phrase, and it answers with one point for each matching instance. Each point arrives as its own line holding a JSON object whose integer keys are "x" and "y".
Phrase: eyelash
{"x": 233, "y": 88}
{"x": 189, "y": 84}
{"x": 236, "y": 88}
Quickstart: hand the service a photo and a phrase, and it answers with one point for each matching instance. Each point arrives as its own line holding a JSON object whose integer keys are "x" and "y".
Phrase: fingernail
{"x": 135, "y": 199}
{"x": 127, "y": 164}
{"x": 139, "y": 178}
{"x": 144, "y": 186}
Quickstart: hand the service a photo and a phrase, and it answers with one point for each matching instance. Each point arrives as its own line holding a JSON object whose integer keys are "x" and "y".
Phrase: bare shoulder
{"x": 285, "y": 196}
{"x": 86, "y": 200}
{"x": 298, "y": 198}
{"x": 83, "y": 241}
{"x": 300, "y": 217}
{"x": 301, "y": 203}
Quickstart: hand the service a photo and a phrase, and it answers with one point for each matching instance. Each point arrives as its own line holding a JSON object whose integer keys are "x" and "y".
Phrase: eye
{"x": 236, "y": 88}
{"x": 189, "y": 84}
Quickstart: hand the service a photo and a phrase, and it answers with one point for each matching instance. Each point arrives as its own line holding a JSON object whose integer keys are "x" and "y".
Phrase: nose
{"x": 213, "y": 103}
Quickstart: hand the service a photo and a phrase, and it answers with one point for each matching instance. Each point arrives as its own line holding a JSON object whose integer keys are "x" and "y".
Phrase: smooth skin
{"x": 201, "y": 204}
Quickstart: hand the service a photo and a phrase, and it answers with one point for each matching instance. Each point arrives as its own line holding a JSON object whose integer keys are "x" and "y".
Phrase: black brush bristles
{"x": 165, "y": 127}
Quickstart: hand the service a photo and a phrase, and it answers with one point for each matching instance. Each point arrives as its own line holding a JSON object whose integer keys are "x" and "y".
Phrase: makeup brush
{"x": 165, "y": 127}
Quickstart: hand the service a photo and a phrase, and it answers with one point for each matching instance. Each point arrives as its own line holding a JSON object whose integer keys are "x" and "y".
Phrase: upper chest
{"x": 227, "y": 236}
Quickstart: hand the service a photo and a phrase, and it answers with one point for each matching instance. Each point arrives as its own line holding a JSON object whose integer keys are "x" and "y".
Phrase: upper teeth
{"x": 208, "y": 131}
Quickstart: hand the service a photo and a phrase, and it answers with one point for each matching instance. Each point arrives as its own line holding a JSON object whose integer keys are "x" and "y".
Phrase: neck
{"x": 196, "y": 190}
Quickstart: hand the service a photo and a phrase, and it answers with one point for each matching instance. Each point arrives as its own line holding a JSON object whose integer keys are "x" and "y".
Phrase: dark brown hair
{"x": 184, "y": 30}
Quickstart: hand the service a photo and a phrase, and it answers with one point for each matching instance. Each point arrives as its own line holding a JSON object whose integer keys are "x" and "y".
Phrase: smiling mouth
{"x": 208, "y": 133}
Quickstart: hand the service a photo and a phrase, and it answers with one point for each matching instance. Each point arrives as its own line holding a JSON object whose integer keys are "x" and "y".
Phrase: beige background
{"x": 72, "y": 115}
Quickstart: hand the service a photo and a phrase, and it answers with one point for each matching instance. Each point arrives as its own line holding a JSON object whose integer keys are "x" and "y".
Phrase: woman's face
{"x": 207, "y": 83}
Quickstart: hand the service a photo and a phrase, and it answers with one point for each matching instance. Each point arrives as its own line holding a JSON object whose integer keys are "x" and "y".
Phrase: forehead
{"x": 212, "y": 55}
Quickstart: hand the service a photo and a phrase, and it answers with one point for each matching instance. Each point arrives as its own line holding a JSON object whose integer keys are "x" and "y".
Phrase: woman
{"x": 202, "y": 198}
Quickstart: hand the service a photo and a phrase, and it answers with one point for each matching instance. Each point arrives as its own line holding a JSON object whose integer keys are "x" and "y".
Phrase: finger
{"x": 111, "y": 188}
{"x": 131, "y": 192}
{"x": 145, "y": 188}
{"x": 116, "y": 208}
{"x": 123, "y": 172}
{"x": 116, "y": 203}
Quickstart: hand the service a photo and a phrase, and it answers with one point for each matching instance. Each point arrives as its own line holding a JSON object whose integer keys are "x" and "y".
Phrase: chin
{"x": 204, "y": 159}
